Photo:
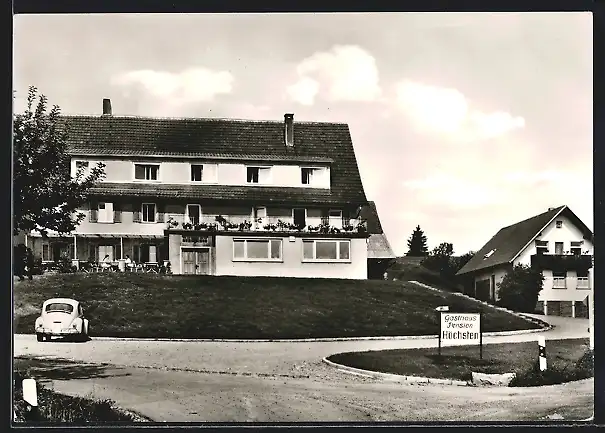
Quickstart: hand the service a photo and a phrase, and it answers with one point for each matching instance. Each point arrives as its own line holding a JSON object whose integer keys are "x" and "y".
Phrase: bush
{"x": 555, "y": 374}
{"x": 64, "y": 266}
{"x": 519, "y": 289}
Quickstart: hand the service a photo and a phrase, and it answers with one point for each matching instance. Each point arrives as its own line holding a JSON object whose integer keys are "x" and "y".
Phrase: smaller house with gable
{"x": 557, "y": 242}
{"x": 380, "y": 254}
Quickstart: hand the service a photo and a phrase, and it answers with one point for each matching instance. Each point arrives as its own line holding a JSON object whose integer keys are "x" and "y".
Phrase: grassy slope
{"x": 410, "y": 269}
{"x": 146, "y": 305}
{"x": 459, "y": 362}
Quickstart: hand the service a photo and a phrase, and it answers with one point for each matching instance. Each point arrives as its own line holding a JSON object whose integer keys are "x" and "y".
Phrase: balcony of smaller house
{"x": 328, "y": 225}
{"x": 562, "y": 262}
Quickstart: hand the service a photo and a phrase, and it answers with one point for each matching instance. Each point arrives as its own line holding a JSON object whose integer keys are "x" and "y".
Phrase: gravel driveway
{"x": 273, "y": 382}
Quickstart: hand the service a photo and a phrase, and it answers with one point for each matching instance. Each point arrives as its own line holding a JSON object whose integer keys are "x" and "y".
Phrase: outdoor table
{"x": 152, "y": 267}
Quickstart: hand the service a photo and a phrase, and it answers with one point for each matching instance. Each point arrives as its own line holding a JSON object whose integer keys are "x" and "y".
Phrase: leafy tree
{"x": 417, "y": 244}
{"x": 440, "y": 259}
{"x": 467, "y": 281}
{"x": 519, "y": 289}
{"x": 46, "y": 197}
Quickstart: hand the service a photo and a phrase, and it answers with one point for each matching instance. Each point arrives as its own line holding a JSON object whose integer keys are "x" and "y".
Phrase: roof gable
{"x": 221, "y": 138}
{"x": 509, "y": 242}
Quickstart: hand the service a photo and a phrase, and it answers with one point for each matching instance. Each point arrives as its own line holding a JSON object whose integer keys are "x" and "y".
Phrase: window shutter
{"x": 136, "y": 212}
{"x": 161, "y": 212}
{"x": 117, "y": 213}
{"x": 94, "y": 210}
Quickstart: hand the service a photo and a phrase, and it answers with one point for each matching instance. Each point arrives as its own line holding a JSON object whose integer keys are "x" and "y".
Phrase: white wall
{"x": 179, "y": 172}
{"x": 292, "y": 264}
{"x": 498, "y": 273}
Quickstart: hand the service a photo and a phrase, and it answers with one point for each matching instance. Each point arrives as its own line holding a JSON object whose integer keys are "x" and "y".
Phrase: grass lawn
{"x": 151, "y": 305}
{"x": 458, "y": 362}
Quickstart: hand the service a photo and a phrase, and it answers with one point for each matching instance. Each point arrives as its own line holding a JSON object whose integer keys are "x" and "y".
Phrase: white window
{"x": 559, "y": 248}
{"x": 260, "y": 175}
{"x": 308, "y": 175}
{"x": 146, "y": 171}
{"x": 206, "y": 173}
{"x": 324, "y": 250}
{"x": 194, "y": 213}
{"x": 559, "y": 280}
{"x": 105, "y": 213}
{"x": 148, "y": 212}
{"x": 257, "y": 250}
{"x": 335, "y": 218}
{"x": 541, "y": 247}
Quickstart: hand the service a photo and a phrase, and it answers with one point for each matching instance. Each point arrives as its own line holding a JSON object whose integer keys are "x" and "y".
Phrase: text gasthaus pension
{"x": 460, "y": 328}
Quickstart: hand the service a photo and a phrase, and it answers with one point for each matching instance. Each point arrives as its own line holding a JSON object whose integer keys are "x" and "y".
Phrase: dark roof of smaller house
{"x": 146, "y": 137}
{"x": 509, "y": 241}
{"x": 378, "y": 244}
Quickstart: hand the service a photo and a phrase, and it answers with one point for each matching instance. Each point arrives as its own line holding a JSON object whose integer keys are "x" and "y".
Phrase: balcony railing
{"x": 221, "y": 223}
{"x": 583, "y": 283}
{"x": 561, "y": 262}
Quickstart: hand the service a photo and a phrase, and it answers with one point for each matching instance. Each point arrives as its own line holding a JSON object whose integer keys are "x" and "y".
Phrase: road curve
{"x": 283, "y": 382}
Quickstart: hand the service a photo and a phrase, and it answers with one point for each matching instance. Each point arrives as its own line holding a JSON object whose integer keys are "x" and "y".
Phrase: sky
{"x": 462, "y": 123}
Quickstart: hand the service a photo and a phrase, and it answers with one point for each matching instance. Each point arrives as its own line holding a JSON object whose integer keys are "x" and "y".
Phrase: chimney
{"x": 107, "y": 107}
{"x": 289, "y": 129}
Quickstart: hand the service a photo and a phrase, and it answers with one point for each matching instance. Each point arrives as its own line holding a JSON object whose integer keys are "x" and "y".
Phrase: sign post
{"x": 480, "y": 336}
{"x": 440, "y": 310}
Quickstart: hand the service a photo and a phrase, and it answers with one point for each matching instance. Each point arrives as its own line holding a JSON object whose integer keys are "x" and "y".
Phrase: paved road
{"x": 274, "y": 382}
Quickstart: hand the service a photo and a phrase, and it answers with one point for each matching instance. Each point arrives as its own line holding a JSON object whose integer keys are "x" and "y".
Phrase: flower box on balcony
{"x": 561, "y": 262}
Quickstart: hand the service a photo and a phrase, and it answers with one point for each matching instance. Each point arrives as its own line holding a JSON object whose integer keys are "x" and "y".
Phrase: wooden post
{"x": 480, "y": 336}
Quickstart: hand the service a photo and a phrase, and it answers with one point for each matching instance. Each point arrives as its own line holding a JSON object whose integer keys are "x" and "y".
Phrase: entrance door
{"x": 196, "y": 261}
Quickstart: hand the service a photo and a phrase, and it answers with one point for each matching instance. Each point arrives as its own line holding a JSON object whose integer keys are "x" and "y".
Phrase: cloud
{"x": 345, "y": 73}
{"x": 447, "y": 111}
{"x": 188, "y": 86}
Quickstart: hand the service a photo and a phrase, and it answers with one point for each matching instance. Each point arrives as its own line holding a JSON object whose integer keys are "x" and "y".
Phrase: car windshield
{"x": 60, "y": 306}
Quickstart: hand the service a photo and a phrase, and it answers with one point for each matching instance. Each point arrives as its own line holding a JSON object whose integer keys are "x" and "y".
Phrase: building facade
{"x": 558, "y": 243}
{"x": 217, "y": 197}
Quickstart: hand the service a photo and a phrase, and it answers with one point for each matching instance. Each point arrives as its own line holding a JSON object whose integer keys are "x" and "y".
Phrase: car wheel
{"x": 39, "y": 337}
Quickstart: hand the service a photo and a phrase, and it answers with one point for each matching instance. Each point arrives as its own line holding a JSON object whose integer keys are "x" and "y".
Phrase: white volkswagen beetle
{"x": 61, "y": 317}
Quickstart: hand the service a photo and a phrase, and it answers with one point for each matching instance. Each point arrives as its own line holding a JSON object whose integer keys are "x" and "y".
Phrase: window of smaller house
{"x": 196, "y": 172}
{"x": 307, "y": 175}
{"x": 559, "y": 224}
{"x": 146, "y": 171}
{"x": 558, "y": 248}
{"x": 148, "y": 212}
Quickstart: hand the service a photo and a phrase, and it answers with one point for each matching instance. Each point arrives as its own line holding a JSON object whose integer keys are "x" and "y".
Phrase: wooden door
{"x": 196, "y": 261}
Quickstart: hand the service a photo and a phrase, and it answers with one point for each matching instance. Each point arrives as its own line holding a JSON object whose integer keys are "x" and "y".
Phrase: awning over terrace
{"x": 97, "y": 236}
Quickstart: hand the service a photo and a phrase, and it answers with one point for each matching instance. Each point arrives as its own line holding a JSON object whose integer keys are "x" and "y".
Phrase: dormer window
{"x": 146, "y": 171}
{"x": 259, "y": 175}
{"x": 488, "y": 255}
{"x": 559, "y": 224}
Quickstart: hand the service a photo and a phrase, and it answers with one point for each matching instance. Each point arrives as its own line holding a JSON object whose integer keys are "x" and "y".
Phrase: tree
{"x": 417, "y": 244}
{"x": 519, "y": 289}
{"x": 440, "y": 260}
{"x": 46, "y": 196}
{"x": 467, "y": 280}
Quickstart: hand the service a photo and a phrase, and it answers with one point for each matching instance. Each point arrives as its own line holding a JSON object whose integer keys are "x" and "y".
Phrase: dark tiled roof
{"x": 370, "y": 214}
{"x": 509, "y": 241}
{"x": 142, "y": 136}
{"x": 378, "y": 244}
{"x": 253, "y": 194}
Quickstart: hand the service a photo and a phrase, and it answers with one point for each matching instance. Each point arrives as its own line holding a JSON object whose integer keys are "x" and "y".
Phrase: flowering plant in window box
{"x": 348, "y": 228}
{"x": 361, "y": 227}
{"x": 201, "y": 226}
{"x": 245, "y": 226}
{"x": 212, "y": 227}
{"x": 282, "y": 225}
{"x": 272, "y": 227}
{"x": 187, "y": 226}
{"x": 172, "y": 223}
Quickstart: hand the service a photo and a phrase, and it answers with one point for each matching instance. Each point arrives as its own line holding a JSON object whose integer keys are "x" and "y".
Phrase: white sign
{"x": 458, "y": 329}
{"x": 29, "y": 392}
